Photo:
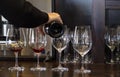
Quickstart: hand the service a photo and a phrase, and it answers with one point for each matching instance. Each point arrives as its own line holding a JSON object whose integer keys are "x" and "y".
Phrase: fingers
{"x": 58, "y": 19}
{"x": 54, "y": 17}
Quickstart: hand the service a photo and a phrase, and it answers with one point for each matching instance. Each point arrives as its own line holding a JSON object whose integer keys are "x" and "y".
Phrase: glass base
{"x": 16, "y": 68}
{"x": 61, "y": 69}
{"x": 82, "y": 71}
{"x": 38, "y": 69}
{"x": 111, "y": 62}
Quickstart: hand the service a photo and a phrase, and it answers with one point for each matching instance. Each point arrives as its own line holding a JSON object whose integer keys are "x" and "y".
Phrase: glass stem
{"x": 75, "y": 56}
{"x": 38, "y": 60}
{"x": 112, "y": 56}
{"x": 16, "y": 59}
{"x": 59, "y": 59}
{"x": 82, "y": 63}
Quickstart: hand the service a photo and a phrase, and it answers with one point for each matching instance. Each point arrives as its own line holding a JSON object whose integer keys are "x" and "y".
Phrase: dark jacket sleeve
{"x": 22, "y": 14}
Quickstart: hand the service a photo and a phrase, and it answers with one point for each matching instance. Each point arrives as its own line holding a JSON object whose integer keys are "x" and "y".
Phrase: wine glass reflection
{"x": 111, "y": 41}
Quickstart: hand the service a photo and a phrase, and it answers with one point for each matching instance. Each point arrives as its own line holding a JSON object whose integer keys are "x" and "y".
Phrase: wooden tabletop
{"x": 97, "y": 70}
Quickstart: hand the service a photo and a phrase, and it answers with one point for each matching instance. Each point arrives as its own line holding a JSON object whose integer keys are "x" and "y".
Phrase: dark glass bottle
{"x": 54, "y": 29}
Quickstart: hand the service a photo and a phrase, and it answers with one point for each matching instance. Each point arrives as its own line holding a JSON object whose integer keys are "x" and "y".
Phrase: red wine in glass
{"x": 16, "y": 49}
{"x": 38, "y": 50}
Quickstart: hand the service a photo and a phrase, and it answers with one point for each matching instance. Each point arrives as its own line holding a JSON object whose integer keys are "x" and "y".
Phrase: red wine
{"x": 16, "y": 49}
{"x": 38, "y": 50}
{"x": 54, "y": 29}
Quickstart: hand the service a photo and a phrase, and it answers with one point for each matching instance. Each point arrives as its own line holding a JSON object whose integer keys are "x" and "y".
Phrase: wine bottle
{"x": 54, "y": 29}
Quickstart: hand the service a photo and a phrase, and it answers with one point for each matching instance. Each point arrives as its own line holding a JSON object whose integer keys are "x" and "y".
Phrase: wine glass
{"x": 82, "y": 43}
{"x": 15, "y": 42}
{"x": 111, "y": 41}
{"x": 60, "y": 44}
{"x": 37, "y": 43}
{"x": 118, "y": 45}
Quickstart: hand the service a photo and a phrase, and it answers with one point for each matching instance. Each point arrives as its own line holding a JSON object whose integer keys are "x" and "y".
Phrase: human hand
{"x": 54, "y": 17}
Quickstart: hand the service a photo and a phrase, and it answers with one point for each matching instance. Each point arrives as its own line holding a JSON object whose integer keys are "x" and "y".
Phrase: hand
{"x": 54, "y": 17}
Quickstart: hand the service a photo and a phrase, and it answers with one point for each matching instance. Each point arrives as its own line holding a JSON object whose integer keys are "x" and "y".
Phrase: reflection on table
{"x": 97, "y": 70}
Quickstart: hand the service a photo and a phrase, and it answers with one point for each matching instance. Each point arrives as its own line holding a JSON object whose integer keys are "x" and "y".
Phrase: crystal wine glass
{"x": 117, "y": 55}
{"x": 15, "y": 42}
{"x": 111, "y": 40}
{"x": 60, "y": 44}
{"x": 82, "y": 43}
{"x": 37, "y": 43}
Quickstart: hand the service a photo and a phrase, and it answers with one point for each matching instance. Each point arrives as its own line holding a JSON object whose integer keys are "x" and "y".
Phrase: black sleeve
{"x": 22, "y": 14}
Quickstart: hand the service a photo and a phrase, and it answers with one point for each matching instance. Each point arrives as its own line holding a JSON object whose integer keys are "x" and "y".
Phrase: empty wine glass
{"x": 82, "y": 43}
{"x": 15, "y": 42}
{"x": 118, "y": 45}
{"x": 37, "y": 43}
{"x": 111, "y": 40}
{"x": 60, "y": 44}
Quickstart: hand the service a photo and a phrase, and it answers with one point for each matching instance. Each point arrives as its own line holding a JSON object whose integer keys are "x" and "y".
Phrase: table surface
{"x": 97, "y": 70}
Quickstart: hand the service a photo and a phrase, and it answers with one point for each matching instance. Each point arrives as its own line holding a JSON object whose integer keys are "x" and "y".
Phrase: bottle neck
{"x": 54, "y": 29}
